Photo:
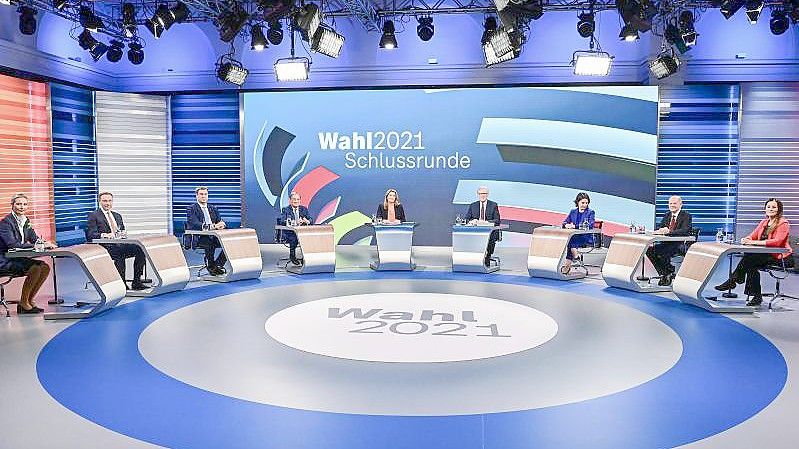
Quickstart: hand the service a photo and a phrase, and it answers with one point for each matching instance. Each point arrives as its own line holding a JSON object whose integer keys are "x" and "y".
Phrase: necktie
{"x": 296, "y": 214}
{"x": 482, "y": 211}
{"x": 673, "y": 223}
{"x": 111, "y": 222}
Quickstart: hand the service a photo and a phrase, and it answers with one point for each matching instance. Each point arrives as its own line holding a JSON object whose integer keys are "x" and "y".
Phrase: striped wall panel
{"x": 698, "y": 153}
{"x": 74, "y": 161}
{"x": 133, "y": 158}
{"x": 205, "y": 151}
{"x": 769, "y": 161}
{"x": 26, "y": 163}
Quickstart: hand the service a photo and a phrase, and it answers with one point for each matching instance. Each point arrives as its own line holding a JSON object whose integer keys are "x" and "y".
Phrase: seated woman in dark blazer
{"x": 772, "y": 232}
{"x": 579, "y": 215}
{"x": 391, "y": 209}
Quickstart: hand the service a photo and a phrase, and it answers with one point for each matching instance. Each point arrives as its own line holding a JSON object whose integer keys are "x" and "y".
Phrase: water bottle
{"x": 374, "y": 219}
{"x": 633, "y": 227}
{"x": 39, "y": 245}
{"x": 584, "y": 225}
{"x": 719, "y": 236}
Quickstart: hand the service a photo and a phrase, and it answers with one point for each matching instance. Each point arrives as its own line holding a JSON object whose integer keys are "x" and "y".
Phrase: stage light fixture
{"x": 87, "y": 42}
{"x": 779, "y": 21}
{"x": 492, "y": 58}
{"x": 674, "y": 37}
{"x": 135, "y": 53}
{"x": 308, "y": 18}
{"x": 88, "y": 19}
{"x": 629, "y": 33}
{"x": 586, "y": 24}
{"x": 687, "y": 30}
{"x": 129, "y": 19}
{"x": 501, "y": 46}
{"x": 114, "y": 53}
{"x": 27, "y": 20}
{"x": 500, "y": 42}
{"x": 728, "y": 8}
{"x": 257, "y": 39}
{"x": 425, "y": 30}
{"x": 489, "y": 26}
{"x": 275, "y": 32}
{"x": 154, "y": 27}
{"x": 327, "y": 42}
{"x": 179, "y": 12}
{"x": 753, "y": 9}
{"x": 592, "y": 63}
{"x": 232, "y": 72}
{"x": 59, "y": 4}
{"x": 231, "y": 22}
{"x": 664, "y": 65}
{"x": 388, "y": 40}
{"x": 292, "y": 69}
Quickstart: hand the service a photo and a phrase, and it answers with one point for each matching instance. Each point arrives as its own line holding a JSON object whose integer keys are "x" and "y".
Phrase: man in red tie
{"x": 485, "y": 210}
{"x": 675, "y": 222}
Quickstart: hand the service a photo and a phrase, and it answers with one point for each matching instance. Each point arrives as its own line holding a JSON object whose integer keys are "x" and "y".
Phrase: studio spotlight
{"x": 87, "y": 42}
{"x": 388, "y": 40}
{"x": 308, "y": 19}
{"x": 753, "y": 9}
{"x": 232, "y": 72}
{"x": 501, "y": 4}
{"x": 629, "y": 33}
{"x": 230, "y": 23}
{"x": 592, "y": 63}
{"x": 154, "y": 27}
{"x": 257, "y": 39}
{"x": 292, "y": 69}
{"x": 728, "y": 8}
{"x": 135, "y": 53}
{"x": 489, "y": 27}
{"x": 275, "y": 32}
{"x": 163, "y": 16}
{"x": 59, "y": 4}
{"x": 88, "y": 19}
{"x": 179, "y": 12}
{"x": 327, "y": 42}
{"x": 664, "y": 65}
{"x": 586, "y": 24}
{"x": 674, "y": 37}
{"x": 114, "y": 53}
{"x": 501, "y": 46}
{"x": 779, "y": 21}
{"x": 129, "y": 19}
{"x": 687, "y": 30}
{"x": 27, "y": 20}
{"x": 425, "y": 29}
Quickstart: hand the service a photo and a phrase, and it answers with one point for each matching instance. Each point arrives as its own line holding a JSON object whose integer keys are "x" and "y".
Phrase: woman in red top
{"x": 771, "y": 232}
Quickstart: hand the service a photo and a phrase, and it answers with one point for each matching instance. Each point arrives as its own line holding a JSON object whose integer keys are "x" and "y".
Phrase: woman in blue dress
{"x": 581, "y": 216}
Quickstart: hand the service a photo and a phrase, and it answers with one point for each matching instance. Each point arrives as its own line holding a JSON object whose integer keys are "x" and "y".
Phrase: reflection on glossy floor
{"x": 200, "y": 369}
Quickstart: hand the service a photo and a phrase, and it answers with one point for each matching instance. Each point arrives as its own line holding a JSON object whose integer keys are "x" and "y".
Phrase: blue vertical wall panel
{"x": 698, "y": 153}
{"x": 74, "y": 160}
{"x": 206, "y": 152}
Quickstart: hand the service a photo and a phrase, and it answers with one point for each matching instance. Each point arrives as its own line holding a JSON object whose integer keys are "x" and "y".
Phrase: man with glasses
{"x": 485, "y": 210}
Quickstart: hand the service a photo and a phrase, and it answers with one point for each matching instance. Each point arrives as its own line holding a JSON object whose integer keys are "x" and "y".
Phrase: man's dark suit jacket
{"x": 195, "y": 217}
{"x": 10, "y": 238}
{"x": 288, "y": 212}
{"x": 684, "y": 223}
{"x": 98, "y": 224}
{"x": 492, "y": 212}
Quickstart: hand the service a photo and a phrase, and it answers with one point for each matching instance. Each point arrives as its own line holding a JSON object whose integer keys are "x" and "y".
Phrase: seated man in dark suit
{"x": 299, "y": 215}
{"x": 16, "y": 233}
{"x": 485, "y": 210}
{"x": 105, "y": 223}
{"x": 202, "y": 213}
{"x": 675, "y": 222}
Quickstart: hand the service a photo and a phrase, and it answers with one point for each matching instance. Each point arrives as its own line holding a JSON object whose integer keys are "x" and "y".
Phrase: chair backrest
{"x": 188, "y": 239}
{"x": 279, "y": 233}
{"x": 598, "y": 237}
{"x": 695, "y": 234}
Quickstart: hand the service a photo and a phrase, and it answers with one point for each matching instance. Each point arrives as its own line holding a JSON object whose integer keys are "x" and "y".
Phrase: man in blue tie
{"x": 202, "y": 214}
{"x": 484, "y": 210}
{"x": 299, "y": 215}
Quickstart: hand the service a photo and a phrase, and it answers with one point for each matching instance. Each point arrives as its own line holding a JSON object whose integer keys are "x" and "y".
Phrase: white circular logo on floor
{"x": 411, "y": 327}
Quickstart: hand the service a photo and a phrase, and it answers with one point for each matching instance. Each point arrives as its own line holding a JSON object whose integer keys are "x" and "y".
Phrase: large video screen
{"x": 534, "y": 148}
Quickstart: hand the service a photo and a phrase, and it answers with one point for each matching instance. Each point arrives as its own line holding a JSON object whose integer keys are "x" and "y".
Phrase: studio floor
{"x": 423, "y": 359}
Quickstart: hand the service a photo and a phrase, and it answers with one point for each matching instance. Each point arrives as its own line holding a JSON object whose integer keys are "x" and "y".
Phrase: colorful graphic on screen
{"x": 534, "y": 148}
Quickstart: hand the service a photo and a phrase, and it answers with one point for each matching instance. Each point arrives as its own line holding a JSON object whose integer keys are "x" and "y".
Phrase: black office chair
{"x": 281, "y": 238}
{"x": 781, "y": 270}
{"x": 595, "y": 246}
{"x": 5, "y": 278}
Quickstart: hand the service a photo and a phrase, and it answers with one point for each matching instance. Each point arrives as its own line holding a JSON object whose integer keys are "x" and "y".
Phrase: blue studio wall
{"x": 74, "y": 160}
{"x": 206, "y": 152}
